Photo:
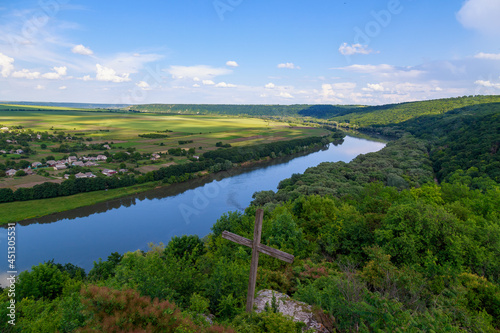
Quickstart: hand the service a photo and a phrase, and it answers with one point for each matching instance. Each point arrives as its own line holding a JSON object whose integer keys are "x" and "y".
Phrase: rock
{"x": 299, "y": 311}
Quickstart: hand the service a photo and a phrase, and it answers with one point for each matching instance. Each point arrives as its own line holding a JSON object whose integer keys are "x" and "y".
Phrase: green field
{"x": 122, "y": 130}
{"x": 17, "y": 211}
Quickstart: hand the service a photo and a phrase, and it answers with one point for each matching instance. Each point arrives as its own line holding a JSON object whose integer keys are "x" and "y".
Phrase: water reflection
{"x": 84, "y": 235}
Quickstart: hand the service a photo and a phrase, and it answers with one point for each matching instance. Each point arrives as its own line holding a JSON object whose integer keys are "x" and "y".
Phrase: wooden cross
{"x": 256, "y": 248}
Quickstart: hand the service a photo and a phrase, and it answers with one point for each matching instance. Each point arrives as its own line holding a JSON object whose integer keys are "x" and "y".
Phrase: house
{"x": 19, "y": 151}
{"x": 36, "y": 164}
{"x": 78, "y": 163}
{"x": 39, "y": 137}
{"x": 4, "y": 128}
{"x": 9, "y": 141}
{"x": 123, "y": 170}
{"x": 3, "y": 152}
{"x": 60, "y": 167}
{"x": 197, "y": 157}
{"x": 66, "y": 176}
{"x": 50, "y": 163}
{"x": 72, "y": 159}
{"x": 108, "y": 172}
{"x": 90, "y": 164}
{"x": 101, "y": 158}
{"x": 106, "y": 146}
{"x": 10, "y": 172}
{"x": 28, "y": 171}
{"x": 80, "y": 175}
{"x": 156, "y": 155}
{"x": 90, "y": 175}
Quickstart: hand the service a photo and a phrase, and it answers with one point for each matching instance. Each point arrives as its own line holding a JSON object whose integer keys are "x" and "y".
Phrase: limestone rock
{"x": 299, "y": 311}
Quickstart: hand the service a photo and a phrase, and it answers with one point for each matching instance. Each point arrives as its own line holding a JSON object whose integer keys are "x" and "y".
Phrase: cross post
{"x": 256, "y": 248}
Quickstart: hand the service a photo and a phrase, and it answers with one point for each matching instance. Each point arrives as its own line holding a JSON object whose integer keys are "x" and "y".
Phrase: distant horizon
{"x": 158, "y": 103}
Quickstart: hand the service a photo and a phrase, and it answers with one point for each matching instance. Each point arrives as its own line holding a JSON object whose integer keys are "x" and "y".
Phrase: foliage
{"x": 126, "y": 311}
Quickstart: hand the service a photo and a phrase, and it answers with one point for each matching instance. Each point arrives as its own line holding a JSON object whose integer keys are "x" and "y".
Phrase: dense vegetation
{"x": 213, "y": 161}
{"x": 405, "y": 239}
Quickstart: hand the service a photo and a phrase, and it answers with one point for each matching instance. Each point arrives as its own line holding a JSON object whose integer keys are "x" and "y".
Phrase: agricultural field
{"x": 192, "y": 135}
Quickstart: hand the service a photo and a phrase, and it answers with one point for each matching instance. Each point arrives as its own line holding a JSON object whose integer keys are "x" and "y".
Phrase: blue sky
{"x": 248, "y": 51}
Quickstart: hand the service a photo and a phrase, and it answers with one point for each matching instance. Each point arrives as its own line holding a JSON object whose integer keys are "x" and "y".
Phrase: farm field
{"x": 197, "y": 133}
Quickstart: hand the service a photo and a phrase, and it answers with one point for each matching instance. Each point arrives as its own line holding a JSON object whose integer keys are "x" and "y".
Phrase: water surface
{"x": 84, "y": 235}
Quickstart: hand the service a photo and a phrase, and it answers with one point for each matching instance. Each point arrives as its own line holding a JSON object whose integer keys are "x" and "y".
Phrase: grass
{"x": 22, "y": 210}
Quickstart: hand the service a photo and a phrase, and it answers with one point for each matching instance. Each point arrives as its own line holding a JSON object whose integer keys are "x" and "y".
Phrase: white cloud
{"x": 374, "y": 87}
{"x": 109, "y": 74}
{"x": 225, "y": 85}
{"x": 489, "y": 56}
{"x": 87, "y": 78}
{"x": 56, "y": 74}
{"x": 197, "y": 79}
{"x": 232, "y": 63}
{"x": 270, "y": 85}
{"x": 26, "y": 74}
{"x": 143, "y": 85}
{"x": 196, "y": 85}
{"x": 208, "y": 82}
{"x": 347, "y": 49}
{"x": 284, "y": 94}
{"x": 198, "y": 71}
{"x": 288, "y": 65}
{"x": 481, "y": 15}
{"x": 63, "y": 88}
{"x": 487, "y": 84}
{"x": 7, "y": 65}
{"x": 39, "y": 87}
{"x": 80, "y": 49}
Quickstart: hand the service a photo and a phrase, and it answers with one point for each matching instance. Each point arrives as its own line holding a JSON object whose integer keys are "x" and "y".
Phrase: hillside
{"x": 404, "y": 239}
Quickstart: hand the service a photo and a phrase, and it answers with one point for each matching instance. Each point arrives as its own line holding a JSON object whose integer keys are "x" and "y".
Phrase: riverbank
{"x": 23, "y": 210}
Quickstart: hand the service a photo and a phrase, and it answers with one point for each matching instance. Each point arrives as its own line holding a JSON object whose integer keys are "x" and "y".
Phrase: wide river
{"x": 84, "y": 235}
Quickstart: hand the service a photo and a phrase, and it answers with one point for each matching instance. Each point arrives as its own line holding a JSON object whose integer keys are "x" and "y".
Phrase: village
{"x": 16, "y": 151}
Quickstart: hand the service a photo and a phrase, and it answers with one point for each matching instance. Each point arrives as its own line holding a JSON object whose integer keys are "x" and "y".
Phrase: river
{"x": 84, "y": 235}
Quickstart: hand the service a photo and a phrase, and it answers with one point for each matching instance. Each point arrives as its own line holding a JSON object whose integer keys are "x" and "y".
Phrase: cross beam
{"x": 256, "y": 248}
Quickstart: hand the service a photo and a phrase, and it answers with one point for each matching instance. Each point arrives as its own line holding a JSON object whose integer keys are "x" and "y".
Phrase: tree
{"x": 44, "y": 281}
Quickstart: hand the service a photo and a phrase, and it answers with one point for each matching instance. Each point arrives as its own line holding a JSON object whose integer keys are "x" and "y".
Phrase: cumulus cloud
{"x": 39, "y": 87}
{"x": 143, "y": 85}
{"x": 208, "y": 82}
{"x": 289, "y": 65}
{"x": 232, "y": 63}
{"x": 56, "y": 74}
{"x": 374, "y": 87}
{"x": 87, "y": 78}
{"x": 26, "y": 74}
{"x": 6, "y": 64}
{"x": 80, "y": 49}
{"x": 488, "y": 84}
{"x": 489, "y": 56}
{"x": 347, "y": 49}
{"x": 196, "y": 85}
{"x": 481, "y": 15}
{"x": 270, "y": 85}
{"x": 63, "y": 88}
{"x": 109, "y": 74}
{"x": 284, "y": 94}
{"x": 225, "y": 85}
{"x": 198, "y": 71}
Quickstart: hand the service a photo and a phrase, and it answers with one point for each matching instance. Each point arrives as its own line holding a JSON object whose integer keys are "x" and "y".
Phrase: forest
{"x": 404, "y": 239}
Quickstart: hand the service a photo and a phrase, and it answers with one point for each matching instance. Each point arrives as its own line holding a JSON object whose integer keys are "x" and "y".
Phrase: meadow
{"x": 121, "y": 131}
